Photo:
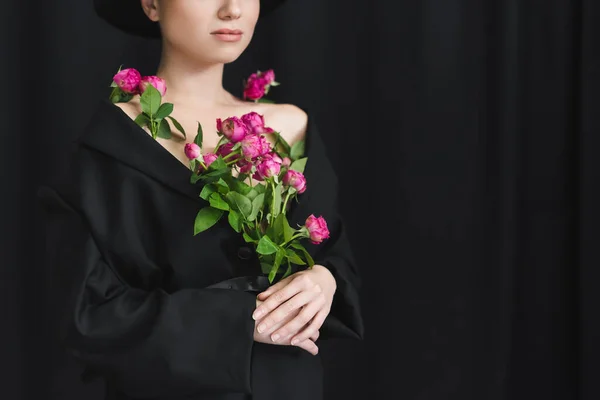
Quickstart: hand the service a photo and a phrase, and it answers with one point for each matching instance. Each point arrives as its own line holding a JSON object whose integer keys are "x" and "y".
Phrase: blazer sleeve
{"x": 345, "y": 318}
{"x": 149, "y": 342}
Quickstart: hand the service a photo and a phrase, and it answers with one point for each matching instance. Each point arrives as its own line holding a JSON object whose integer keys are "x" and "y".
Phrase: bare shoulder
{"x": 288, "y": 119}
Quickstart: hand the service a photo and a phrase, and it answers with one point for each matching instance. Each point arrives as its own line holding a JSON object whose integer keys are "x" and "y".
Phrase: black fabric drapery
{"x": 468, "y": 129}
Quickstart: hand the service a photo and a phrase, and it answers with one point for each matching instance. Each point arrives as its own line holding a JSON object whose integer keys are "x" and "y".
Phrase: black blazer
{"x": 131, "y": 284}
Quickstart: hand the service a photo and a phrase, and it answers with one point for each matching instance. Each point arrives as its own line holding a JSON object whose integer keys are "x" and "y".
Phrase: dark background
{"x": 465, "y": 134}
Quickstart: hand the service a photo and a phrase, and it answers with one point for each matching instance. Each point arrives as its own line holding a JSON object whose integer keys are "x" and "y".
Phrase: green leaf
{"x": 274, "y": 83}
{"x": 277, "y": 200}
{"x": 240, "y": 203}
{"x": 164, "y": 111}
{"x": 297, "y": 150}
{"x": 237, "y": 185}
{"x": 218, "y": 164}
{"x": 260, "y": 188}
{"x": 222, "y": 186}
{"x": 263, "y": 100}
{"x": 281, "y": 142}
{"x": 288, "y": 232}
{"x": 265, "y": 267}
{"x": 199, "y": 136}
{"x": 266, "y": 246}
{"x": 288, "y": 271}
{"x": 217, "y": 202}
{"x": 278, "y": 258}
{"x": 252, "y": 194}
{"x": 235, "y": 222}
{"x": 207, "y": 190}
{"x": 178, "y": 126}
{"x": 206, "y": 218}
{"x": 248, "y": 238}
{"x": 150, "y": 100}
{"x": 298, "y": 246}
{"x": 194, "y": 178}
{"x": 293, "y": 257}
{"x": 164, "y": 130}
{"x": 142, "y": 120}
{"x": 299, "y": 164}
{"x": 257, "y": 205}
{"x": 277, "y": 229}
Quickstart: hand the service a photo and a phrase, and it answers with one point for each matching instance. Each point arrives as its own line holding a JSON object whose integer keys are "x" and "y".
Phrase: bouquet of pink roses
{"x": 247, "y": 179}
{"x": 253, "y": 183}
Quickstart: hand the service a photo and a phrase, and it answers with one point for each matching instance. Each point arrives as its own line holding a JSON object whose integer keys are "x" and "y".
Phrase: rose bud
{"x": 268, "y": 76}
{"x": 234, "y": 129}
{"x": 317, "y": 229}
{"x": 267, "y": 168}
{"x": 255, "y": 89}
{"x": 128, "y": 80}
{"x": 295, "y": 179}
{"x": 286, "y": 162}
{"x": 158, "y": 83}
{"x": 252, "y": 146}
{"x": 255, "y": 122}
{"x": 192, "y": 151}
{"x": 209, "y": 158}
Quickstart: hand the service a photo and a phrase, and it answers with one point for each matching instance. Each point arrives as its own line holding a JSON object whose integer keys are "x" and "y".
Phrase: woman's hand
{"x": 308, "y": 344}
{"x": 295, "y": 308}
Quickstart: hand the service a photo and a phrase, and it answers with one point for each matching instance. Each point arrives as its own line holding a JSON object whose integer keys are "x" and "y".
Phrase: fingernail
{"x": 294, "y": 342}
{"x": 257, "y": 314}
{"x": 275, "y": 337}
{"x": 261, "y": 328}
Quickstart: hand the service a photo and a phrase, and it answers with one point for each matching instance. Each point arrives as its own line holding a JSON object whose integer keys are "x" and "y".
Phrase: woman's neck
{"x": 192, "y": 85}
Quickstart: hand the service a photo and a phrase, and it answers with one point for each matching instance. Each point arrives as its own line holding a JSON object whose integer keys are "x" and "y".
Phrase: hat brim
{"x": 129, "y": 17}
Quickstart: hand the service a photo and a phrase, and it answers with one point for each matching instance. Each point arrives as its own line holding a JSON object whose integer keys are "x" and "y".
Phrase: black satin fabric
{"x": 157, "y": 312}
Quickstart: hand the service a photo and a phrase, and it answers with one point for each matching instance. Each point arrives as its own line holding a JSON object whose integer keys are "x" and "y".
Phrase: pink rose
{"x": 268, "y": 76}
{"x": 209, "y": 158}
{"x": 254, "y": 146}
{"x": 255, "y": 89}
{"x": 219, "y": 125}
{"x": 225, "y": 150}
{"x": 273, "y": 156}
{"x": 286, "y": 162}
{"x": 317, "y": 229}
{"x": 128, "y": 80}
{"x": 192, "y": 151}
{"x": 234, "y": 129}
{"x": 158, "y": 83}
{"x": 295, "y": 179}
{"x": 245, "y": 166}
{"x": 255, "y": 122}
{"x": 266, "y": 169}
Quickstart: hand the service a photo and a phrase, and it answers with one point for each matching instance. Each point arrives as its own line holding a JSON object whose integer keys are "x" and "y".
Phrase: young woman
{"x": 141, "y": 302}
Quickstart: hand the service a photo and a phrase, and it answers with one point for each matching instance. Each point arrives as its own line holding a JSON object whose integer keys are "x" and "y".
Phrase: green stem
{"x": 287, "y": 196}
{"x": 152, "y": 127}
{"x": 272, "y": 202}
{"x": 233, "y": 153}
{"x": 292, "y": 238}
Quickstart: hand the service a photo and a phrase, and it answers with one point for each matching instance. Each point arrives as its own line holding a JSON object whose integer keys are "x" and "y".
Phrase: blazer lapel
{"x": 112, "y": 132}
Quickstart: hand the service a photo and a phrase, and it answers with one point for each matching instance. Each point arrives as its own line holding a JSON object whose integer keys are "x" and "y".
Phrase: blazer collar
{"x": 113, "y": 133}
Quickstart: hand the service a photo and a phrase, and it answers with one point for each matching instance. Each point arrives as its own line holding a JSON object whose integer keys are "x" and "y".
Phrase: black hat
{"x": 128, "y": 15}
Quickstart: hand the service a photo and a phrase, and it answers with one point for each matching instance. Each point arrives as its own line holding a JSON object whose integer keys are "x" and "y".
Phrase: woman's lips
{"x": 228, "y": 35}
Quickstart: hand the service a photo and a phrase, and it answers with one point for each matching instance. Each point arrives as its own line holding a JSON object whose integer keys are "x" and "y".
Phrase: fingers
{"x": 296, "y": 285}
{"x": 309, "y": 346}
{"x": 278, "y": 286}
{"x": 312, "y": 329}
{"x": 302, "y": 319}
{"x": 293, "y": 305}
{"x": 315, "y": 336}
